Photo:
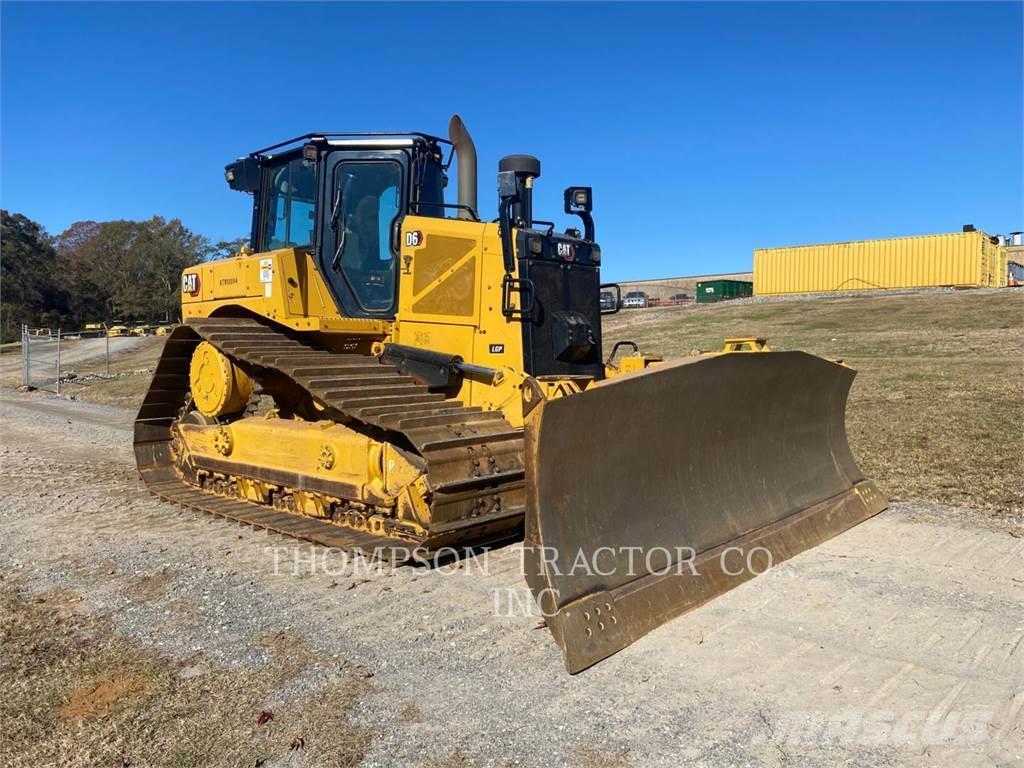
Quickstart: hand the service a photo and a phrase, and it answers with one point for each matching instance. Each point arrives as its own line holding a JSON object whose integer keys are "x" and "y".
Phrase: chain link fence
{"x": 69, "y": 362}
{"x": 61, "y": 361}
{"x": 51, "y": 358}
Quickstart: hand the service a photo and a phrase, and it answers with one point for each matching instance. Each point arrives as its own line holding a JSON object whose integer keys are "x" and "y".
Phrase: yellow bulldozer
{"x": 382, "y": 370}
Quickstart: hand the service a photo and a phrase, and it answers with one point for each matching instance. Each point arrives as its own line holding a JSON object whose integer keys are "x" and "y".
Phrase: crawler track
{"x": 474, "y": 457}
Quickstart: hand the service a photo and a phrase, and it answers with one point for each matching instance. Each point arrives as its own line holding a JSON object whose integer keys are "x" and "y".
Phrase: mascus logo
{"x": 190, "y": 283}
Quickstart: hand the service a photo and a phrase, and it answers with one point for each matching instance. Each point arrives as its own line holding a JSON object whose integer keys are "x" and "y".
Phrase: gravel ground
{"x": 898, "y": 643}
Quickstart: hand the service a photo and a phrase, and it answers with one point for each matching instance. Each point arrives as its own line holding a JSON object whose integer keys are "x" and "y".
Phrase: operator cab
{"x": 342, "y": 197}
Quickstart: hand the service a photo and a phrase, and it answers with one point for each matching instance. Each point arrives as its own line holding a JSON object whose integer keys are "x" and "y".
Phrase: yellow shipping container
{"x": 966, "y": 259}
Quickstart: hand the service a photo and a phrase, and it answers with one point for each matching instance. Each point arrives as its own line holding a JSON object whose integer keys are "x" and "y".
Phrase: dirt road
{"x": 899, "y": 643}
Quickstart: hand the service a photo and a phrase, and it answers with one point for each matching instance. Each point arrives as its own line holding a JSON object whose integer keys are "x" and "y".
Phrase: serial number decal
{"x": 190, "y": 283}
{"x": 413, "y": 238}
{"x": 497, "y": 349}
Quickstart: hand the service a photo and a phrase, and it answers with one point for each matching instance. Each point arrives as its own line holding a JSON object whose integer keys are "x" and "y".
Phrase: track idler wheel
{"x": 219, "y": 387}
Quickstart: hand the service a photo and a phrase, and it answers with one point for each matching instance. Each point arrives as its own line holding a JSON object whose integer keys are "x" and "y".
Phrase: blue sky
{"x": 706, "y": 129}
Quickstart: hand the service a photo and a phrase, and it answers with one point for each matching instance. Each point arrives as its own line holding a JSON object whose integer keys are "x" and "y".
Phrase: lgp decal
{"x": 190, "y": 283}
{"x": 497, "y": 349}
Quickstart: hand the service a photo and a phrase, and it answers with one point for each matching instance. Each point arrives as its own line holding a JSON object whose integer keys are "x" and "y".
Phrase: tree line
{"x": 96, "y": 271}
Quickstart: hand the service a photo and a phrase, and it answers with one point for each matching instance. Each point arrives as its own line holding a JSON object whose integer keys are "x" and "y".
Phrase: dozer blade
{"x": 652, "y": 493}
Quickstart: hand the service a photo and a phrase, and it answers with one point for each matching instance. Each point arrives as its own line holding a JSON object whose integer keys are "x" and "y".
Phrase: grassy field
{"x": 937, "y": 409}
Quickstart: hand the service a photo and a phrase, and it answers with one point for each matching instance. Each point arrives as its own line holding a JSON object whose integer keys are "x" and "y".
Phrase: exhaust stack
{"x": 465, "y": 151}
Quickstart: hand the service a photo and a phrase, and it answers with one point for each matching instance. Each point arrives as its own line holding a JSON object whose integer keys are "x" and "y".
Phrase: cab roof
{"x": 368, "y": 139}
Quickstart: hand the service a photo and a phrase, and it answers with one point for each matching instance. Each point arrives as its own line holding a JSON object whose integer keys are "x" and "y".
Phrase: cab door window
{"x": 367, "y": 197}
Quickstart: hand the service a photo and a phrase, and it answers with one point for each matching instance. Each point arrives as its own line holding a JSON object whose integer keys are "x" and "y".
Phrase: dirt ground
{"x": 134, "y": 633}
